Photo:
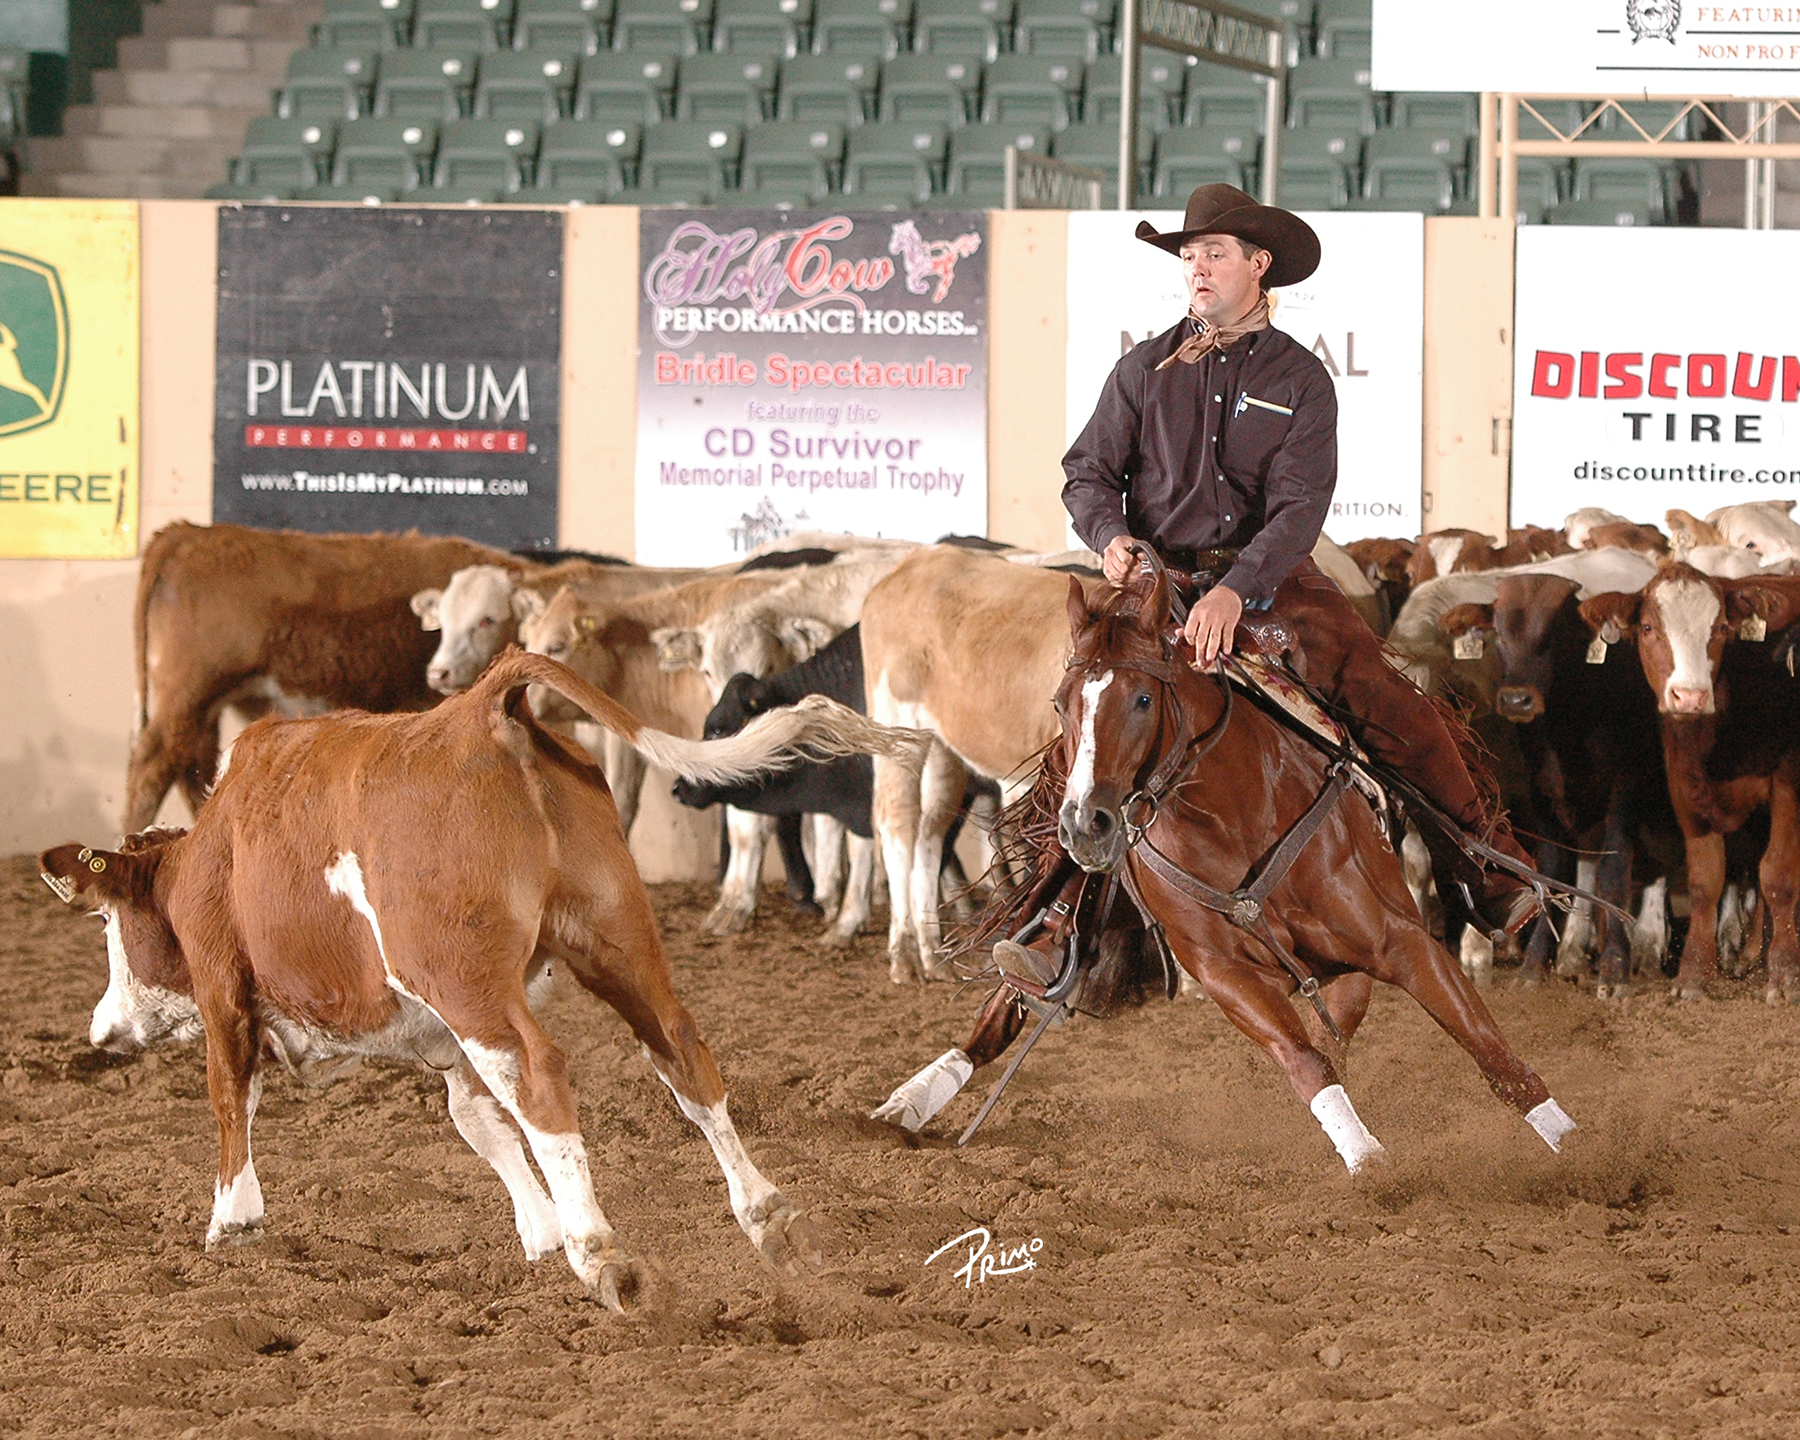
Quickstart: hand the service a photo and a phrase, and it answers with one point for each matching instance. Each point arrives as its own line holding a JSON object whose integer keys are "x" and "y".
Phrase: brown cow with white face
{"x": 400, "y": 886}
{"x": 1731, "y": 740}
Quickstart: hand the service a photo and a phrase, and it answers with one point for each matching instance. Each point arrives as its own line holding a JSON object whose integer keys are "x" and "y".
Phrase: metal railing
{"x": 1036, "y": 182}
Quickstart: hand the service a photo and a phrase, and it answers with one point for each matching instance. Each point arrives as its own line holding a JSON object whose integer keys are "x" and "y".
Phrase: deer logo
{"x": 34, "y": 343}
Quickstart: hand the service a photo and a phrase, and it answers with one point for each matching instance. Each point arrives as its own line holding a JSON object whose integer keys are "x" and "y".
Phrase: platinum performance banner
{"x": 389, "y": 369}
{"x": 809, "y": 372}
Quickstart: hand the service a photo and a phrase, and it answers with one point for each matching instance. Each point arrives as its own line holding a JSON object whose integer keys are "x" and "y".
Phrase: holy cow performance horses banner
{"x": 390, "y": 369}
{"x": 809, "y": 372}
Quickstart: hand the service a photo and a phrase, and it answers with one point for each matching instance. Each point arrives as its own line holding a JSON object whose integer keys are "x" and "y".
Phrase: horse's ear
{"x": 1079, "y": 614}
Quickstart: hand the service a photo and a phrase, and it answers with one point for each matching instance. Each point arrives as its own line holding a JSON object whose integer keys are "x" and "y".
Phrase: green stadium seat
{"x": 424, "y": 84}
{"x": 587, "y": 155}
{"x": 485, "y": 154}
{"x": 928, "y": 89}
{"x": 524, "y": 85}
{"x": 1448, "y": 147}
{"x": 1331, "y": 92}
{"x": 1030, "y": 90}
{"x": 382, "y": 154}
{"x": 970, "y": 28}
{"x": 786, "y": 158}
{"x": 860, "y": 27}
{"x": 690, "y": 155}
{"x": 1220, "y": 95}
{"x": 679, "y": 196}
{"x": 1599, "y": 212}
{"x": 459, "y": 195}
{"x": 1565, "y": 115}
{"x": 1626, "y": 183}
{"x": 560, "y": 195}
{"x": 1161, "y": 76}
{"x": 291, "y": 154}
{"x": 759, "y": 27}
{"x": 976, "y": 169}
{"x": 1076, "y": 28}
{"x": 249, "y": 194}
{"x": 563, "y": 27}
{"x": 1542, "y": 182}
{"x": 326, "y": 85}
{"x": 353, "y": 194}
{"x": 1410, "y": 182}
{"x": 1314, "y": 185}
{"x": 616, "y": 88}
{"x": 1654, "y": 116}
{"x": 893, "y": 162}
{"x": 828, "y": 87}
{"x": 725, "y": 87}
{"x": 1435, "y": 111}
{"x": 461, "y": 24}
{"x": 1343, "y": 29}
{"x": 1098, "y": 146}
{"x": 1203, "y": 155}
{"x": 660, "y": 26}
{"x": 364, "y": 24}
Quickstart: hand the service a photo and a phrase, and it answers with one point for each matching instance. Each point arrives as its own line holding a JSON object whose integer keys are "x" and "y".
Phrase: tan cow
{"x": 272, "y": 621}
{"x": 611, "y": 647}
{"x": 401, "y": 886}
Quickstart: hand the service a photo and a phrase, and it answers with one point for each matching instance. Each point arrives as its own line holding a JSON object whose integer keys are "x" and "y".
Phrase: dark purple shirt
{"x": 1238, "y": 449}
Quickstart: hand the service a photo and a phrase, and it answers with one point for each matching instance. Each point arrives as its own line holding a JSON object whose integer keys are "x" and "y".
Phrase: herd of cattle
{"x": 395, "y": 876}
{"x": 1634, "y": 686}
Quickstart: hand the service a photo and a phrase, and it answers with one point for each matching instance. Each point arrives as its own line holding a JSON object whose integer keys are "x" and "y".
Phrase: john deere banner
{"x": 1641, "y": 407}
{"x": 389, "y": 369}
{"x": 809, "y": 372}
{"x": 1362, "y": 313}
{"x": 69, "y": 378}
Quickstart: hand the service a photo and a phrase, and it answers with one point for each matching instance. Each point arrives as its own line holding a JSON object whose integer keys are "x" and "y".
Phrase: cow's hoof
{"x": 939, "y": 968}
{"x": 727, "y": 918}
{"x": 1528, "y": 978}
{"x": 1688, "y": 990}
{"x": 903, "y": 968}
{"x": 807, "y": 906}
{"x": 790, "y": 1242}
{"x": 836, "y": 939}
{"x": 225, "y": 1237}
{"x": 1612, "y": 990}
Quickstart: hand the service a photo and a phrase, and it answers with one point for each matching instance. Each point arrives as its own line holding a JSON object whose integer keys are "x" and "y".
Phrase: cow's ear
{"x": 1461, "y": 619}
{"x": 675, "y": 649}
{"x": 1079, "y": 614}
{"x": 1787, "y": 505}
{"x": 99, "y": 877}
{"x": 526, "y": 604}
{"x": 1777, "y": 606}
{"x": 804, "y": 637}
{"x": 1612, "y": 616}
{"x": 425, "y": 606}
{"x": 1690, "y": 530}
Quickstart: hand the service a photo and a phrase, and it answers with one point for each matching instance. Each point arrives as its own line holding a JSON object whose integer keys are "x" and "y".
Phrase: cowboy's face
{"x": 1222, "y": 283}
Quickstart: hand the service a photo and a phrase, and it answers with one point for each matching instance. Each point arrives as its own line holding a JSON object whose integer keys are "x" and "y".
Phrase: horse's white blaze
{"x": 1689, "y": 611}
{"x": 131, "y": 1011}
{"x": 1344, "y": 1128}
{"x": 913, "y": 1104}
{"x": 1550, "y": 1123}
{"x": 1081, "y": 773}
{"x": 481, "y": 1121}
{"x": 238, "y": 1203}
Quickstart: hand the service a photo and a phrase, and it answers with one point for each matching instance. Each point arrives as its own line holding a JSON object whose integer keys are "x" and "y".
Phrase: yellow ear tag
{"x": 1469, "y": 647}
{"x": 1754, "y": 628}
{"x": 65, "y": 889}
{"x": 1596, "y": 654}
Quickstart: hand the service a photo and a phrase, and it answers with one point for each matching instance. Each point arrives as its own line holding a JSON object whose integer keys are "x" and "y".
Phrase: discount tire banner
{"x": 69, "y": 379}
{"x": 1635, "y": 391}
{"x": 809, "y": 372}
{"x": 1362, "y": 313}
{"x": 390, "y": 369}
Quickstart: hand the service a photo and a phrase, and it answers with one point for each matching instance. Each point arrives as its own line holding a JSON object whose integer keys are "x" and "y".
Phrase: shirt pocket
{"x": 1255, "y": 431}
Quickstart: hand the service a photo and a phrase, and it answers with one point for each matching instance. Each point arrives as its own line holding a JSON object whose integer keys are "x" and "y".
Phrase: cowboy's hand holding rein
{"x": 1211, "y": 624}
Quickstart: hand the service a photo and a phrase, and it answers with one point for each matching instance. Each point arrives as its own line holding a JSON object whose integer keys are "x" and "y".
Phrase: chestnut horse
{"x": 1226, "y": 785}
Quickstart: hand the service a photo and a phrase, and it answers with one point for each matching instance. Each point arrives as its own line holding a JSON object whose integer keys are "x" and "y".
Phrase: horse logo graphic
{"x": 34, "y": 343}
{"x": 929, "y": 259}
{"x": 1653, "y": 19}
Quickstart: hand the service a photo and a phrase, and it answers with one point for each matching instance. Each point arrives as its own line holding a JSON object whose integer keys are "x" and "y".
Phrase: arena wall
{"x": 65, "y": 626}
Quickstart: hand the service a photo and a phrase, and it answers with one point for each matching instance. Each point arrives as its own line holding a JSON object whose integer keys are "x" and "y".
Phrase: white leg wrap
{"x": 928, "y": 1092}
{"x": 1550, "y": 1122}
{"x": 1344, "y": 1128}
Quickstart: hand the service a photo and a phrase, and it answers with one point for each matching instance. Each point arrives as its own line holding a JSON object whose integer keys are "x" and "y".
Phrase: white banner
{"x": 1588, "y": 47}
{"x": 1638, "y": 391}
{"x": 1362, "y": 313}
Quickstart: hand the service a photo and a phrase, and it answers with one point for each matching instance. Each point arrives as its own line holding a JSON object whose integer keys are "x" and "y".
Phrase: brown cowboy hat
{"x": 1226, "y": 210}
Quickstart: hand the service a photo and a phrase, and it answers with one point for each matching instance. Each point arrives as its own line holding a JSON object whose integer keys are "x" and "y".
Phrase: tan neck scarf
{"x": 1211, "y": 337}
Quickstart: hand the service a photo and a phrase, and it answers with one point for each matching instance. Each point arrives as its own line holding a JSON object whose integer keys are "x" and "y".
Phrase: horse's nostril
{"x": 1102, "y": 824}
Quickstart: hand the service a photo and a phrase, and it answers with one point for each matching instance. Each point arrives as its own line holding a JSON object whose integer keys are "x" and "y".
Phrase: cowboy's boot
{"x": 1032, "y": 959}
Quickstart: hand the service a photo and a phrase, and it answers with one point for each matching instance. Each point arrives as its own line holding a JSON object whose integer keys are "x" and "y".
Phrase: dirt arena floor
{"x": 1205, "y": 1266}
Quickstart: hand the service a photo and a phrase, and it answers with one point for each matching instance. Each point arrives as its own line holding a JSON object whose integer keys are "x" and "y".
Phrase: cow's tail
{"x": 156, "y": 556}
{"x": 817, "y": 728}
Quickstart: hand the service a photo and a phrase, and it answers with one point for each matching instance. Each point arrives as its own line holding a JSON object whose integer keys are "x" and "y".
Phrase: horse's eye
{"x": 1143, "y": 700}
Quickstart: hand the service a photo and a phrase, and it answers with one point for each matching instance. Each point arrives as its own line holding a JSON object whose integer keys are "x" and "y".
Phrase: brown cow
{"x": 1645, "y": 539}
{"x": 400, "y": 886}
{"x": 1731, "y": 741}
{"x": 272, "y": 620}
